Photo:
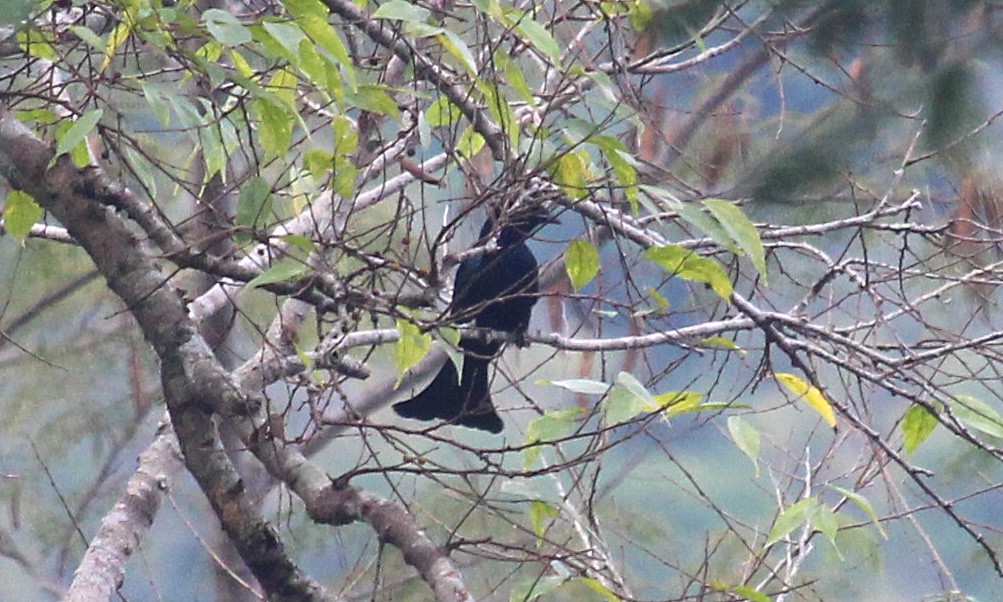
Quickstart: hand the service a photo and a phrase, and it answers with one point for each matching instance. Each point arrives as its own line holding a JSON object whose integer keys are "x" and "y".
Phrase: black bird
{"x": 496, "y": 290}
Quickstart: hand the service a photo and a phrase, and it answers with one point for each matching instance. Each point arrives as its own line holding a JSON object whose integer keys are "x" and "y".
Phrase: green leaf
{"x": 19, "y": 214}
{"x": 402, "y": 11}
{"x": 119, "y": 34}
{"x": 724, "y": 343}
{"x": 37, "y": 43}
{"x": 539, "y": 38}
{"x": 373, "y": 98}
{"x": 275, "y": 130}
{"x": 749, "y": 593}
{"x": 470, "y": 143}
{"x": 810, "y": 394}
{"x": 790, "y": 519}
{"x": 303, "y": 243}
{"x": 225, "y": 28}
{"x": 746, "y": 437}
{"x": 741, "y": 230}
{"x": 678, "y": 402}
{"x": 442, "y": 112}
{"x": 979, "y": 415}
{"x": 826, "y": 522}
{"x": 627, "y": 400}
{"x": 549, "y": 427}
{"x": 690, "y": 266}
{"x": 76, "y": 135}
{"x": 570, "y": 172}
{"x": 254, "y": 206}
{"x": 581, "y": 260}
{"x": 582, "y": 386}
{"x": 532, "y": 589}
{"x": 285, "y": 270}
{"x": 597, "y": 587}
{"x": 411, "y": 347}
{"x": 540, "y": 513}
{"x": 88, "y": 37}
{"x": 693, "y": 214}
{"x": 917, "y": 424}
{"x": 311, "y": 16}
{"x": 862, "y": 503}
{"x": 460, "y": 51}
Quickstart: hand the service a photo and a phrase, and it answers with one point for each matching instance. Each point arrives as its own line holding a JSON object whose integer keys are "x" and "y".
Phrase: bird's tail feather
{"x": 477, "y": 410}
{"x": 441, "y": 399}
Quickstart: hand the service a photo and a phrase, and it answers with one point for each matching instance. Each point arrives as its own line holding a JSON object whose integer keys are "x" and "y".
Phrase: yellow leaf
{"x": 810, "y": 394}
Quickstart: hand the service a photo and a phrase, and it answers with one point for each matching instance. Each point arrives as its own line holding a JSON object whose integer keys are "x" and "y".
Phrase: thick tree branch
{"x": 193, "y": 380}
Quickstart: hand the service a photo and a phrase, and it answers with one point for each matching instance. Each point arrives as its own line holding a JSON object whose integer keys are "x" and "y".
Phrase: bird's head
{"x": 517, "y": 224}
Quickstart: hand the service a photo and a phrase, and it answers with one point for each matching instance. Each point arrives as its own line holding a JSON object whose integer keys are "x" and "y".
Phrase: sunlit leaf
{"x": 581, "y": 260}
{"x": 583, "y": 386}
{"x": 411, "y": 347}
{"x": 20, "y": 213}
{"x": 596, "y": 586}
{"x": 688, "y": 265}
{"x": 917, "y": 424}
{"x": 722, "y": 342}
{"x": 659, "y": 299}
{"x": 810, "y": 394}
{"x": 678, "y": 402}
{"x": 37, "y": 43}
{"x": 119, "y": 34}
{"x": 749, "y": 593}
{"x": 470, "y": 143}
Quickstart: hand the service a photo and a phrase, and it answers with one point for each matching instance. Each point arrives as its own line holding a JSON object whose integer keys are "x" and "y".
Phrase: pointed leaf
{"x": 581, "y": 260}
{"x": 978, "y": 415}
{"x": 549, "y": 427}
{"x": 917, "y": 424}
{"x": 583, "y": 386}
{"x": 540, "y": 513}
{"x": 746, "y": 437}
{"x": 411, "y": 347}
{"x": 810, "y": 394}
{"x": 741, "y": 230}
{"x": 402, "y": 11}
{"x": 790, "y": 519}
{"x": 749, "y": 593}
{"x": 596, "y": 586}
{"x": 281, "y": 271}
{"x": 865, "y": 505}
{"x": 688, "y": 265}
{"x": 77, "y": 133}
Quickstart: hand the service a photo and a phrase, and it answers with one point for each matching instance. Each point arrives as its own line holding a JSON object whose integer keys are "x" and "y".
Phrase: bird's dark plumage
{"x": 496, "y": 290}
